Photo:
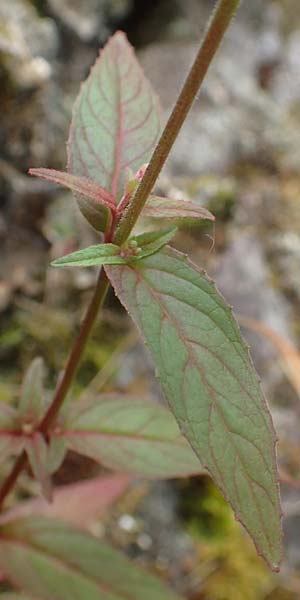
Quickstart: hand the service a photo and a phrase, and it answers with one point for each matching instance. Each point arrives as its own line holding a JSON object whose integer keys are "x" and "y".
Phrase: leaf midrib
{"x": 218, "y": 410}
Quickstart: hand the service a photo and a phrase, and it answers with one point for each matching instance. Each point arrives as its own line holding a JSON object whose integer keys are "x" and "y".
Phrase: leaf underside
{"x": 210, "y": 383}
{"x": 95, "y": 203}
{"x": 166, "y": 208}
{"x": 116, "y": 121}
{"x": 51, "y": 560}
{"x": 132, "y": 436}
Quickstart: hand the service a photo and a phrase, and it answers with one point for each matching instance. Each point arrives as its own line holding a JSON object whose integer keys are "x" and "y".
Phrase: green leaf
{"x": 210, "y": 383}
{"x": 132, "y": 436}
{"x": 37, "y": 452}
{"x": 101, "y": 254}
{"x": 152, "y": 241}
{"x": 166, "y": 208}
{"x": 136, "y": 248}
{"x": 31, "y": 403}
{"x": 95, "y": 203}
{"x": 116, "y": 121}
{"x": 54, "y": 561}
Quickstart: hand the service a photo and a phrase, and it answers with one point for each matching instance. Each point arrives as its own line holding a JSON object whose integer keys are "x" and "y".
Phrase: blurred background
{"x": 238, "y": 155}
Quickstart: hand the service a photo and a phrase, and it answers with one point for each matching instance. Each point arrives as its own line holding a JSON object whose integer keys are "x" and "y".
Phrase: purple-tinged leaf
{"x": 53, "y": 561}
{"x": 116, "y": 121}
{"x": 166, "y": 208}
{"x": 78, "y": 503}
{"x": 31, "y": 403}
{"x": 130, "y": 435}
{"x": 95, "y": 203}
{"x": 208, "y": 378}
{"x": 37, "y": 452}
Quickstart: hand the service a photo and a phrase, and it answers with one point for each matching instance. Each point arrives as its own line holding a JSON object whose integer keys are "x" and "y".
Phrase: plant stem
{"x": 218, "y": 24}
{"x": 64, "y": 384}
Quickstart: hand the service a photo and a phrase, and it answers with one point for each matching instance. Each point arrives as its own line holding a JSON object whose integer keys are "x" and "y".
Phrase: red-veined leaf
{"x": 166, "y": 208}
{"x": 130, "y": 435}
{"x": 115, "y": 122}
{"x": 208, "y": 378}
{"x": 95, "y": 203}
{"x": 78, "y": 503}
{"x": 54, "y": 561}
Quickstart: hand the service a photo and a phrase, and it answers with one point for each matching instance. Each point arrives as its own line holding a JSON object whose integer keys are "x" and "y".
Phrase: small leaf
{"x": 210, "y": 383}
{"x": 152, "y": 241}
{"x": 95, "y": 203}
{"x": 78, "y": 503}
{"x": 31, "y": 404}
{"x": 136, "y": 248}
{"x": 100, "y": 254}
{"x": 37, "y": 452}
{"x": 116, "y": 121}
{"x": 165, "y": 208}
{"x": 132, "y": 436}
{"x": 53, "y": 561}
{"x": 56, "y": 453}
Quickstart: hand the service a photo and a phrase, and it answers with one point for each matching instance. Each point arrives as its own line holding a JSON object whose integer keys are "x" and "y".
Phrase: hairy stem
{"x": 218, "y": 24}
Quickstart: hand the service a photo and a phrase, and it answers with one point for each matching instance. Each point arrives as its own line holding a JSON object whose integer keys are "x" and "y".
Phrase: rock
{"x": 89, "y": 19}
{"x": 28, "y": 43}
{"x": 243, "y": 276}
{"x": 234, "y": 119}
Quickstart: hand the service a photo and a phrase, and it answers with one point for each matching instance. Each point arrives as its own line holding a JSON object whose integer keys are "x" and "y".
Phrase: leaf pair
{"x": 19, "y": 429}
{"x": 137, "y": 248}
{"x": 123, "y": 433}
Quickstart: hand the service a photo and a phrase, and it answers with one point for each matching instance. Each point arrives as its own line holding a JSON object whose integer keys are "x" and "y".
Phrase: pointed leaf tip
{"x": 116, "y": 120}
{"x": 210, "y": 383}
